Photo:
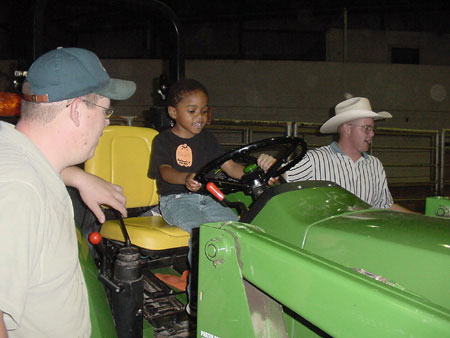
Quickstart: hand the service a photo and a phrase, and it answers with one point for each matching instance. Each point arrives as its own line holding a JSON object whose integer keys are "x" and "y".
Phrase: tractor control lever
{"x": 215, "y": 191}
{"x": 123, "y": 228}
{"x": 95, "y": 238}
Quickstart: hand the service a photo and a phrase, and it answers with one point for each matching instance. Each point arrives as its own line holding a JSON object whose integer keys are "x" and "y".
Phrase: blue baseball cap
{"x": 67, "y": 73}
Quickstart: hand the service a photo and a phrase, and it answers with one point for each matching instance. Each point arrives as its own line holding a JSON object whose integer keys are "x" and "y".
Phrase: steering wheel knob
{"x": 250, "y": 168}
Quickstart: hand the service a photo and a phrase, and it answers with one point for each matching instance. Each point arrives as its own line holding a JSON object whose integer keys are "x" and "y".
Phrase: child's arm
{"x": 236, "y": 170}
{"x": 173, "y": 176}
{"x": 233, "y": 169}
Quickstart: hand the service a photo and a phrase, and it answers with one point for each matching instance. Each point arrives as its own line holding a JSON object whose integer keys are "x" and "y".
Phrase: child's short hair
{"x": 182, "y": 87}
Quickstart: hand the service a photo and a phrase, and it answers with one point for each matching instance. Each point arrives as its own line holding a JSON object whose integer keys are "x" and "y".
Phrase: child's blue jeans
{"x": 188, "y": 211}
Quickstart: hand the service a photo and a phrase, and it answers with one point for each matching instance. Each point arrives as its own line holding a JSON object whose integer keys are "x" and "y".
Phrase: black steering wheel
{"x": 256, "y": 181}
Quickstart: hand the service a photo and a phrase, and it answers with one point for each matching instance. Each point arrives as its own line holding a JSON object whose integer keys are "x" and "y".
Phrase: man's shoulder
{"x": 20, "y": 188}
{"x": 14, "y": 161}
{"x": 321, "y": 150}
{"x": 16, "y": 149}
{"x": 16, "y": 171}
{"x": 24, "y": 168}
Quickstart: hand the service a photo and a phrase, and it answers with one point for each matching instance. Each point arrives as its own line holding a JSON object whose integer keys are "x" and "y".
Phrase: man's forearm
{"x": 396, "y": 207}
{"x": 71, "y": 176}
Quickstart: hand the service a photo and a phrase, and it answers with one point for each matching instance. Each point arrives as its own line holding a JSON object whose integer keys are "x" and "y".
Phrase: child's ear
{"x": 172, "y": 112}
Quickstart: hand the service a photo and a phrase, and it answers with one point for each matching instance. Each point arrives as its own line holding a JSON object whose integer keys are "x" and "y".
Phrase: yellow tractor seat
{"x": 122, "y": 157}
{"x": 150, "y": 233}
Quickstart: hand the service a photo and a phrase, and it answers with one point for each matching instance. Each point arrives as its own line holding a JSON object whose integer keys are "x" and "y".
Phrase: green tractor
{"x": 307, "y": 259}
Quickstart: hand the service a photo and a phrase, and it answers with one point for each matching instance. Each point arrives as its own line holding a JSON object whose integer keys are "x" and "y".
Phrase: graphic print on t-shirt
{"x": 183, "y": 155}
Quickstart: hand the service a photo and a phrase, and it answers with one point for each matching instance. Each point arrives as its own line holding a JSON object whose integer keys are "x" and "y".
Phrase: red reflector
{"x": 9, "y": 104}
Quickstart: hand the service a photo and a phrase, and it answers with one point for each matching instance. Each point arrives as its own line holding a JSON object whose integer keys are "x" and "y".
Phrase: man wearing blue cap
{"x": 65, "y": 107}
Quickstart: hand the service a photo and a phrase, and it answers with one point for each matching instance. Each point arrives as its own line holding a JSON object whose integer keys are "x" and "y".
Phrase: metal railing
{"x": 412, "y": 158}
{"x": 444, "y": 162}
{"x": 236, "y": 133}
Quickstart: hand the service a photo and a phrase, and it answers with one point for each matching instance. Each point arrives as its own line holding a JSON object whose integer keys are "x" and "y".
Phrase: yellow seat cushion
{"x": 151, "y": 233}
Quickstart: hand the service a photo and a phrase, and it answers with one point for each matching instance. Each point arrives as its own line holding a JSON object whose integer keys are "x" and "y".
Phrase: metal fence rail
{"x": 444, "y": 162}
{"x": 236, "y": 133}
{"x": 410, "y": 157}
{"x": 416, "y": 161}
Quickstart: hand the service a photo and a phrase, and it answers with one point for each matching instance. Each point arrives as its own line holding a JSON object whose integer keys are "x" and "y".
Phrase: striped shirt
{"x": 364, "y": 178}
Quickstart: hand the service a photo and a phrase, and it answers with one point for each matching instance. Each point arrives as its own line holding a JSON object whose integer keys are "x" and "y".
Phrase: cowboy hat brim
{"x": 333, "y": 123}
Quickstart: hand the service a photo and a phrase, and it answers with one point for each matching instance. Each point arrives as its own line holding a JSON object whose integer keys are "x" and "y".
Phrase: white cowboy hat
{"x": 349, "y": 110}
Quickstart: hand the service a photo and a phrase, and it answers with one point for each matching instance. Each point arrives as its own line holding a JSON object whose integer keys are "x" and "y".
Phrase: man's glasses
{"x": 108, "y": 111}
{"x": 367, "y": 128}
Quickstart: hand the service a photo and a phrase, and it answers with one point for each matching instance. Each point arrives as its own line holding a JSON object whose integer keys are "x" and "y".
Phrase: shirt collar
{"x": 335, "y": 148}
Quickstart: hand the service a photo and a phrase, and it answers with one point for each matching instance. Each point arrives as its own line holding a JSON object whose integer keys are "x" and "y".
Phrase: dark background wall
{"x": 271, "y": 60}
{"x": 284, "y": 60}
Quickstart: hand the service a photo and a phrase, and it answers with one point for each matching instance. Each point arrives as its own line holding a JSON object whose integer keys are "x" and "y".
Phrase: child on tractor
{"x": 177, "y": 154}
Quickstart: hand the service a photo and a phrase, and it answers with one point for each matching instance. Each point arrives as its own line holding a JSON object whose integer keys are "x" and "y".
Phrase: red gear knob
{"x": 212, "y": 188}
{"x": 95, "y": 238}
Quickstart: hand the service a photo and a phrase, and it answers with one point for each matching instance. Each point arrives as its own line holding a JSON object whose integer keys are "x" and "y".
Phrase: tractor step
{"x": 175, "y": 325}
{"x": 159, "y": 307}
{"x": 164, "y": 311}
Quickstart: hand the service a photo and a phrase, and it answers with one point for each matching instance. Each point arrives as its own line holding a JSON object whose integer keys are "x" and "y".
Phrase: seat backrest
{"x": 122, "y": 157}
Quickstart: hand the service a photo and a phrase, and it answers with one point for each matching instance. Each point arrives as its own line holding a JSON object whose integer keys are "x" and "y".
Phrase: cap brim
{"x": 118, "y": 89}
{"x": 332, "y": 124}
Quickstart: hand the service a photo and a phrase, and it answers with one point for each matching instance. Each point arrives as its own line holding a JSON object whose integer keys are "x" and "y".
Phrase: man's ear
{"x": 172, "y": 112}
{"x": 344, "y": 130}
{"x": 74, "y": 113}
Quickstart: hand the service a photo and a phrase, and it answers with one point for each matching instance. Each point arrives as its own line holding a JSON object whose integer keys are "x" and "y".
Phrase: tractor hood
{"x": 406, "y": 251}
{"x": 411, "y": 252}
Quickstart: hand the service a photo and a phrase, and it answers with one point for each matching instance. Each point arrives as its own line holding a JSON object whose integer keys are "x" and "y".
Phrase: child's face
{"x": 190, "y": 114}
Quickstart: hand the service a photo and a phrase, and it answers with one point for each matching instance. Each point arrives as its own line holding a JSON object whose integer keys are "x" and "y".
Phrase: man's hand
{"x": 191, "y": 184}
{"x": 265, "y": 161}
{"x": 95, "y": 191}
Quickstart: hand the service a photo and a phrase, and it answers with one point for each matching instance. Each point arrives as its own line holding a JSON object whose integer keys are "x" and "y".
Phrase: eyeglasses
{"x": 367, "y": 128}
{"x": 108, "y": 111}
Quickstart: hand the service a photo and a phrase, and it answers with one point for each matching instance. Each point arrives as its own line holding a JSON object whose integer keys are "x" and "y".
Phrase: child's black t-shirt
{"x": 182, "y": 154}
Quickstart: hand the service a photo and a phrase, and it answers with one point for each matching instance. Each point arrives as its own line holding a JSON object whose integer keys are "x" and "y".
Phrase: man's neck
{"x": 43, "y": 138}
{"x": 349, "y": 150}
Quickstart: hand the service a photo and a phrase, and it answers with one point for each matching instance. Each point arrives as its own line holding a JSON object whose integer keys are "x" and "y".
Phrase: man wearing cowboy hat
{"x": 346, "y": 162}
